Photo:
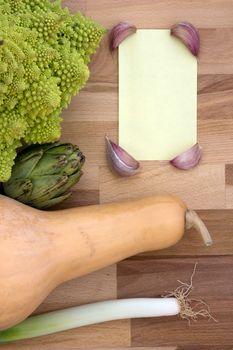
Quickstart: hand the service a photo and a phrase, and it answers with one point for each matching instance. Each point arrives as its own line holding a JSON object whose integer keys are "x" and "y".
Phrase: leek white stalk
{"x": 84, "y": 315}
{"x": 176, "y": 302}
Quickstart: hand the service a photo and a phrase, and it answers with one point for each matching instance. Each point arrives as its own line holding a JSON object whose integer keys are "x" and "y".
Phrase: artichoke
{"x": 43, "y": 174}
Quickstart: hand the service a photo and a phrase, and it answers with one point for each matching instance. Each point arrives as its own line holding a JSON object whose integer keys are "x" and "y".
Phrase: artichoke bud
{"x": 43, "y": 175}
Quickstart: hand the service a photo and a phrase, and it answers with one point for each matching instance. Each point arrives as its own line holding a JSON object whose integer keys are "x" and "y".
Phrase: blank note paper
{"x": 157, "y": 95}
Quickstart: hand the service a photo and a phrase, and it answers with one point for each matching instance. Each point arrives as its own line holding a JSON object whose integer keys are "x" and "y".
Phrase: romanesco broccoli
{"x": 44, "y": 52}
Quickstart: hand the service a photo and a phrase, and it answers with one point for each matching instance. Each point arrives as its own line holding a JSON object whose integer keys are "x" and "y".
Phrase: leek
{"x": 61, "y": 320}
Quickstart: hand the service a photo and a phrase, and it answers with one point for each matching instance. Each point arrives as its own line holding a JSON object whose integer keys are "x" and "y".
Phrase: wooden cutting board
{"x": 208, "y": 188}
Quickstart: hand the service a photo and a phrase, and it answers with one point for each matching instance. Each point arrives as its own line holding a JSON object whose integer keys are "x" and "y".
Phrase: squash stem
{"x": 194, "y": 220}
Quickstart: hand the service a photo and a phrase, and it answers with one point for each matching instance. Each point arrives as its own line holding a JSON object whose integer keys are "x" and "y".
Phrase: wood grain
{"x": 219, "y": 223}
{"x": 216, "y": 49}
{"x": 86, "y": 192}
{"x": 201, "y": 188}
{"x": 162, "y": 13}
{"x": 215, "y": 92}
{"x": 208, "y": 188}
{"x": 103, "y": 97}
{"x": 132, "y": 348}
{"x": 229, "y": 185}
{"x": 90, "y": 137}
{"x": 153, "y": 278}
{"x": 86, "y": 289}
{"x": 75, "y": 5}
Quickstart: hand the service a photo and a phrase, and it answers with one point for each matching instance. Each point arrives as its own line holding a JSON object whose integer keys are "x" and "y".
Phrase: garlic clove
{"x": 121, "y": 161}
{"x": 188, "y": 34}
{"x": 188, "y": 159}
{"x": 119, "y": 32}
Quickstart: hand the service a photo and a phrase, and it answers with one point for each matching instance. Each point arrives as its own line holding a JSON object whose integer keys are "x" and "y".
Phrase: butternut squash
{"x": 39, "y": 250}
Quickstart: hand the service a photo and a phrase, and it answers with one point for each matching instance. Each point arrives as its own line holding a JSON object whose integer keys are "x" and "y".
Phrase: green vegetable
{"x": 44, "y": 51}
{"x": 42, "y": 175}
{"x": 78, "y": 316}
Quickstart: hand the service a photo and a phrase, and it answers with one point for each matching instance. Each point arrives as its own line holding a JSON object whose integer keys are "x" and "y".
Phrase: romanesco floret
{"x": 44, "y": 52}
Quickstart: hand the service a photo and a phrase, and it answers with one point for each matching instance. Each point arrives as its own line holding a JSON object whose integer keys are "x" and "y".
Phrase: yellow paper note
{"x": 157, "y": 95}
